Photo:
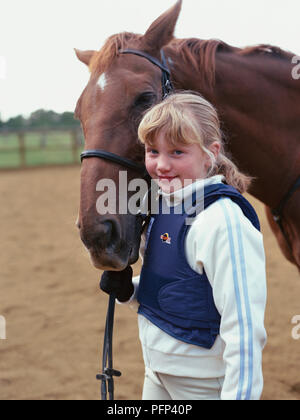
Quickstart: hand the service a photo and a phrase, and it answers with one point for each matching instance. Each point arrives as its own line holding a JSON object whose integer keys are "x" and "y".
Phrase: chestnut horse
{"x": 258, "y": 99}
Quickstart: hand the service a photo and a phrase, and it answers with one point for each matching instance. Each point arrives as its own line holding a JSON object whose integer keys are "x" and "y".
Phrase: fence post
{"x": 21, "y": 137}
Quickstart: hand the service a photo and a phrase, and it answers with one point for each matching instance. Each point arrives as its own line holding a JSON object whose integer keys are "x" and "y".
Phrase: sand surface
{"x": 55, "y": 313}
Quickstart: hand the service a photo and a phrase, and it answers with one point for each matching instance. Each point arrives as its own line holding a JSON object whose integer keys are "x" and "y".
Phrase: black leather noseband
{"x": 127, "y": 163}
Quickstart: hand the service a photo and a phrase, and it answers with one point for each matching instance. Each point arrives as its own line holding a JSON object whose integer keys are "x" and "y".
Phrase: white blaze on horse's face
{"x": 102, "y": 82}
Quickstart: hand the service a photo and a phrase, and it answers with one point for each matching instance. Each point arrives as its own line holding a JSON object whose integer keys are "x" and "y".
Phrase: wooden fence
{"x": 26, "y": 148}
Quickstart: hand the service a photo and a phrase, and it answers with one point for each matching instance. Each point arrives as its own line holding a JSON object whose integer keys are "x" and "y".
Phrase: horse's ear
{"x": 161, "y": 32}
{"x": 84, "y": 56}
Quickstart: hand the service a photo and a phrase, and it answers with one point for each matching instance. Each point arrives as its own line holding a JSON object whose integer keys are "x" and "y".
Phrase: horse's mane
{"x": 103, "y": 59}
{"x": 200, "y": 54}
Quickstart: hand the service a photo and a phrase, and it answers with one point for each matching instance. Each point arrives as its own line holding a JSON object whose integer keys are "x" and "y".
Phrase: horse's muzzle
{"x": 107, "y": 249}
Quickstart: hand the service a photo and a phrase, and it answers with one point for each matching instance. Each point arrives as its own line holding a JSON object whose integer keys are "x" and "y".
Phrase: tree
{"x": 67, "y": 120}
{"x": 41, "y": 119}
{"x": 15, "y": 122}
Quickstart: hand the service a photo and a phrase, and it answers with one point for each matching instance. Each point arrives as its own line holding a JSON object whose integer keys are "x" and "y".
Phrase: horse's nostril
{"x": 102, "y": 236}
{"x": 108, "y": 231}
{"x": 112, "y": 234}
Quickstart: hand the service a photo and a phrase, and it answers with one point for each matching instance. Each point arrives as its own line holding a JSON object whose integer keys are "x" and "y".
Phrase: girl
{"x": 202, "y": 288}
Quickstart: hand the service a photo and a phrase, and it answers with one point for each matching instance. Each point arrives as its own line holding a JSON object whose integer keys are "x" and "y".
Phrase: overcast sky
{"x": 38, "y": 67}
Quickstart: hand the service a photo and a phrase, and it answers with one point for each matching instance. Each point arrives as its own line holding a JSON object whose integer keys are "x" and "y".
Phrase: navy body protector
{"x": 171, "y": 294}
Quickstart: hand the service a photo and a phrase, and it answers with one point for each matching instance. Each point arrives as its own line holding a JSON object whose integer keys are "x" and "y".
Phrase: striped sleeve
{"x": 239, "y": 286}
{"x": 230, "y": 249}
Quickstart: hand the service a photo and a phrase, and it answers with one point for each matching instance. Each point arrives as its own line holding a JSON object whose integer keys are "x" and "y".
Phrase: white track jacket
{"x": 226, "y": 244}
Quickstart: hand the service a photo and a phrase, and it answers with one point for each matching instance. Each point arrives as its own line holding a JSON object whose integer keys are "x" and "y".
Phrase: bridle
{"x": 127, "y": 163}
{"x": 106, "y": 378}
{"x": 278, "y": 211}
{"x": 167, "y": 88}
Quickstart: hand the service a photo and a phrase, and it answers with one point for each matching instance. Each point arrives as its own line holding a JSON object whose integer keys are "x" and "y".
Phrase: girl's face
{"x": 175, "y": 167}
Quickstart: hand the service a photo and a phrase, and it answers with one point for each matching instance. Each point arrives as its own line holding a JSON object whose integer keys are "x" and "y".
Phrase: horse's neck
{"x": 258, "y": 103}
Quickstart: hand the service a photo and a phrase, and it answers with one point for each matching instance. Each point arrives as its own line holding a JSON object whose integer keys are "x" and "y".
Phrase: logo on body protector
{"x": 166, "y": 238}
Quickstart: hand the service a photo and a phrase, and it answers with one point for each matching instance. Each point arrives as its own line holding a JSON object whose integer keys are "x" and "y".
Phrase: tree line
{"x": 40, "y": 119}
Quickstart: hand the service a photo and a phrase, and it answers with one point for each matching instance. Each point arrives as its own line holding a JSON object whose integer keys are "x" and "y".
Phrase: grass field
{"x": 40, "y": 149}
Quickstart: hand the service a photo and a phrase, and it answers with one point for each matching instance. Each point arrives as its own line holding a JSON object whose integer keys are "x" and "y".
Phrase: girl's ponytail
{"x": 232, "y": 175}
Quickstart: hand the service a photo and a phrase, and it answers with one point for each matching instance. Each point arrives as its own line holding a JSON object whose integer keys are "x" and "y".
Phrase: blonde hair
{"x": 188, "y": 118}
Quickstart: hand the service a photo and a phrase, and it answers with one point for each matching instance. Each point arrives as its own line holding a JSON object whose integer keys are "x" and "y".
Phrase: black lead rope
{"x": 108, "y": 373}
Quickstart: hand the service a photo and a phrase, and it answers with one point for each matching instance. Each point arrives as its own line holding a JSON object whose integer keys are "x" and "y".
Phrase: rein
{"x": 108, "y": 373}
{"x": 278, "y": 211}
{"x": 106, "y": 377}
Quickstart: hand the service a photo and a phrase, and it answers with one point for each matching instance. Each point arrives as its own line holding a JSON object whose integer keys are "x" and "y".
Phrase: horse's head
{"x": 120, "y": 89}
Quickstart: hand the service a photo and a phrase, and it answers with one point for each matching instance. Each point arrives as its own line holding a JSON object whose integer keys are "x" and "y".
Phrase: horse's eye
{"x": 145, "y": 100}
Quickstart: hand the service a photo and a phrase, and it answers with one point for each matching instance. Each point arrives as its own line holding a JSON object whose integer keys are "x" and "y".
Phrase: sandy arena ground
{"x": 55, "y": 313}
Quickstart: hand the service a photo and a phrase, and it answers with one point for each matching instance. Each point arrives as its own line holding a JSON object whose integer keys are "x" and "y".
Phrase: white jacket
{"x": 226, "y": 244}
